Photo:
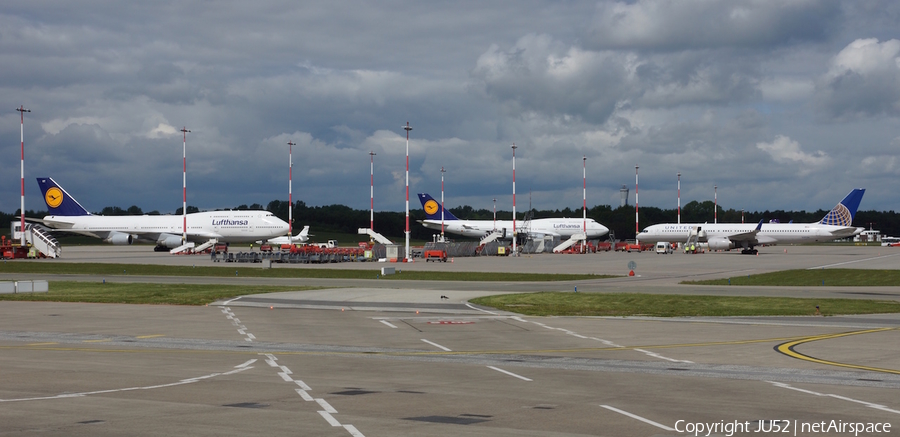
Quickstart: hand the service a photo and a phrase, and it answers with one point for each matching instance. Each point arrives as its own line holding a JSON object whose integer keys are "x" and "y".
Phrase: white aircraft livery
{"x": 725, "y": 236}
{"x": 301, "y": 237}
{"x": 535, "y": 228}
{"x": 66, "y": 214}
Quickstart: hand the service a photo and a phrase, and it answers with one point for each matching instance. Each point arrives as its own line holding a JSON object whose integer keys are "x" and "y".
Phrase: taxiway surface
{"x": 379, "y": 357}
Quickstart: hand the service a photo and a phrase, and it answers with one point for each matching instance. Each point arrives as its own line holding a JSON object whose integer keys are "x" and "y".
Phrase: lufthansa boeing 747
{"x": 838, "y": 223}
{"x": 537, "y": 228}
{"x": 66, "y": 214}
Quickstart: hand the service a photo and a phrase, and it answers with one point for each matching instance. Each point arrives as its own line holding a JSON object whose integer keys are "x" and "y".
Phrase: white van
{"x": 663, "y": 247}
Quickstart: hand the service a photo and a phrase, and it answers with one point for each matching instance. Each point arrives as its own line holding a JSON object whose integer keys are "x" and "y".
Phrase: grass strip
{"x": 655, "y": 305}
{"x": 141, "y": 293}
{"x": 813, "y": 278}
{"x": 258, "y": 272}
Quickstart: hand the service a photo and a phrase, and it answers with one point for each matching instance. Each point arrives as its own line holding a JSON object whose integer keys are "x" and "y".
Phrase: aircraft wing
{"x": 747, "y": 236}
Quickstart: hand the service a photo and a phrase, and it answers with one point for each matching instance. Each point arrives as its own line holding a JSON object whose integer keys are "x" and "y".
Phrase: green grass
{"x": 139, "y": 293}
{"x": 37, "y": 267}
{"x": 630, "y": 304}
{"x": 813, "y": 278}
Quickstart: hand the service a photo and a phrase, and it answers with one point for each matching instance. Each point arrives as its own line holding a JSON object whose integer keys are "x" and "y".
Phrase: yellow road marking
{"x": 150, "y": 336}
{"x": 788, "y": 349}
{"x": 42, "y": 344}
{"x": 97, "y": 341}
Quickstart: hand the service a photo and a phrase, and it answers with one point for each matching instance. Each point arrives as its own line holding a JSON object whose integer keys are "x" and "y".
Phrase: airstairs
{"x": 493, "y": 236}
{"x": 40, "y": 239}
{"x": 375, "y": 235}
{"x": 574, "y": 239}
{"x": 184, "y": 248}
{"x": 206, "y": 245}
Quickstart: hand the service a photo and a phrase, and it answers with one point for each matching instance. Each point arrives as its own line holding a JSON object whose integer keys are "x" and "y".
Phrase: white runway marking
{"x": 388, "y": 323}
{"x": 853, "y": 262}
{"x": 509, "y": 373}
{"x": 325, "y": 405}
{"x": 246, "y": 364}
{"x": 436, "y": 345}
{"x": 353, "y": 431}
{"x": 302, "y": 385}
{"x": 151, "y": 387}
{"x": 843, "y": 398}
{"x": 635, "y": 416}
{"x": 328, "y": 418}
{"x": 303, "y": 394}
{"x": 479, "y": 309}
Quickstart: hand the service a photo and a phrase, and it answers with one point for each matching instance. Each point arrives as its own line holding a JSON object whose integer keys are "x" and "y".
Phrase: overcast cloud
{"x": 782, "y": 105}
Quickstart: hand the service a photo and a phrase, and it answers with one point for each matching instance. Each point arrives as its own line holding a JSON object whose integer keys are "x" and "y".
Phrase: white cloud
{"x": 784, "y": 150}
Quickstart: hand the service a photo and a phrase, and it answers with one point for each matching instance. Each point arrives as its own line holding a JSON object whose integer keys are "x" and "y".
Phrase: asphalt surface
{"x": 392, "y": 357}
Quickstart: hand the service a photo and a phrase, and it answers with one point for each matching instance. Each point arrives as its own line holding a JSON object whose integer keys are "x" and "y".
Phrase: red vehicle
{"x": 435, "y": 255}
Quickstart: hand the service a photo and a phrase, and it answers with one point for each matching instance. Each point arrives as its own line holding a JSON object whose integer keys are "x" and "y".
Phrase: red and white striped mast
{"x": 184, "y": 131}
{"x": 22, "y": 112}
{"x": 442, "y": 203}
{"x": 515, "y": 235}
{"x": 290, "y": 191}
{"x": 716, "y": 204}
{"x": 636, "y": 229}
{"x": 407, "y": 129}
{"x": 372, "y": 190}
{"x": 679, "y": 198}
{"x": 584, "y": 195}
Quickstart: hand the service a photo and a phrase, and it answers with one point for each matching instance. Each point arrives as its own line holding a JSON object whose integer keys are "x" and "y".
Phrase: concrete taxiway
{"x": 387, "y": 357}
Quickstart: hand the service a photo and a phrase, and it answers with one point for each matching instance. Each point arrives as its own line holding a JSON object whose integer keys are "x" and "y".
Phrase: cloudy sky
{"x": 782, "y": 105}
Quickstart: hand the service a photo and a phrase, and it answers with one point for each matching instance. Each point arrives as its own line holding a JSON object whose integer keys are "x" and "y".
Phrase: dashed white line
{"x": 328, "y": 418}
{"x": 635, "y": 416}
{"x": 353, "y": 431}
{"x": 325, "y": 405}
{"x": 286, "y": 370}
{"x": 303, "y": 394}
{"x": 302, "y": 385}
{"x": 509, "y": 373}
{"x": 436, "y": 345}
{"x": 285, "y": 377}
{"x": 388, "y": 323}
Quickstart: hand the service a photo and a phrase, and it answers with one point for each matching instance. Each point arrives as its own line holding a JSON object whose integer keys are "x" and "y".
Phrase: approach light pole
{"x": 679, "y": 198}
{"x": 290, "y": 191}
{"x": 515, "y": 235}
{"x": 22, "y": 112}
{"x": 407, "y": 129}
{"x": 636, "y": 231}
{"x": 184, "y": 131}
{"x": 442, "y": 203}
{"x": 584, "y": 195}
{"x": 372, "y": 190}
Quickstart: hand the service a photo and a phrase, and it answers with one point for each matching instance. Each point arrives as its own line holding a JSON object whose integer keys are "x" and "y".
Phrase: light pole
{"x": 514, "y": 199}
{"x": 290, "y": 191}
{"x": 407, "y": 129}
{"x": 636, "y": 231}
{"x": 716, "y": 204}
{"x": 184, "y": 132}
{"x": 495, "y": 214}
{"x": 584, "y": 195}
{"x": 679, "y": 198}
{"x": 372, "y": 191}
{"x": 442, "y": 203}
{"x": 22, "y": 112}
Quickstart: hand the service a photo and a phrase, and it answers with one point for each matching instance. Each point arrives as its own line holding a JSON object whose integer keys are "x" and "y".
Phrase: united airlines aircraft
{"x": 725, "y": 236}
{"x": 535, "y": 228}
{"x": 66, "y": 214}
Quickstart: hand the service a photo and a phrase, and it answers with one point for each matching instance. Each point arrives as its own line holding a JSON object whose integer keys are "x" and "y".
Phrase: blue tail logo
{"x": 843, "y": 213}
{"x": 58, "y": 201}
{"x": 433, "y": 208}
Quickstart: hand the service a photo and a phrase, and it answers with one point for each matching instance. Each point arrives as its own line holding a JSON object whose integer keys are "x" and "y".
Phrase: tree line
{"x": 620, "y": 220}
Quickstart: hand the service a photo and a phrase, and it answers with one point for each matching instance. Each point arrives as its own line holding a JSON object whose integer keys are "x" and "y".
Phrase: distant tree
{"x": 134, "y": 210}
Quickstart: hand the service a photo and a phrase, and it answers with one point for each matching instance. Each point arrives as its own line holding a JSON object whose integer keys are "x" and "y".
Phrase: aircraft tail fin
{"x": 58, "y": 201}
{"x": 433, "y": 208}
{"x": 842, "y": 214}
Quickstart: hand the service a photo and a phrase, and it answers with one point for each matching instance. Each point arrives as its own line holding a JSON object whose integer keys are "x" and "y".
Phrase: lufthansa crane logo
{"x": 54, "y": 197}
{"x": 431, "y": 207}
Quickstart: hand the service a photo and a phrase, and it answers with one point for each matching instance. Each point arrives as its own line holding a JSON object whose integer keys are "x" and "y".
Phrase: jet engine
{"x": 169, "y": 241}
{"x": 119, "y": 238}
{"x": 720, "y": 243}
